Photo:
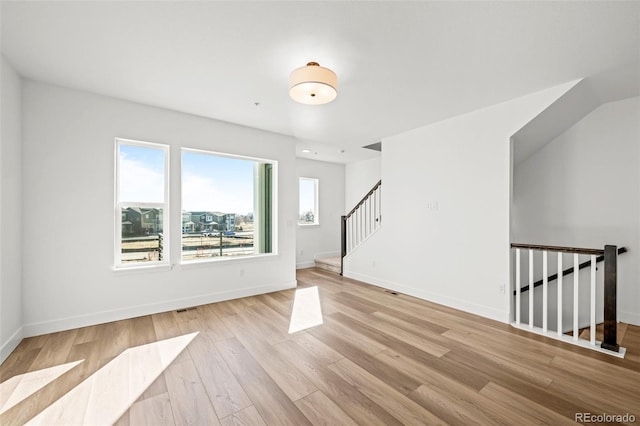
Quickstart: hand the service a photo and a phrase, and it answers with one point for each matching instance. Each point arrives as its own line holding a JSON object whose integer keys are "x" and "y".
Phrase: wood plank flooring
{"x": 376, "y": 359}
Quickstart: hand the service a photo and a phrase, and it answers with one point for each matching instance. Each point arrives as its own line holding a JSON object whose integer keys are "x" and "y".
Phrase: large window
{"x": 308, "y": 212}
{"x": 141, "y": 203}
{"x": 227, "y": 205}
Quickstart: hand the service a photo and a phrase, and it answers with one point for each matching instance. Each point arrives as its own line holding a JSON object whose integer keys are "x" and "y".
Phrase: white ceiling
{"x": 400, "y": 65}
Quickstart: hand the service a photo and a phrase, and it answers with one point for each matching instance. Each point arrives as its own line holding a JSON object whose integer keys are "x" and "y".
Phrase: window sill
{"x": 164, "y": 267}
{"x": 207, "y": 261}
{"x": 308, "y": 225}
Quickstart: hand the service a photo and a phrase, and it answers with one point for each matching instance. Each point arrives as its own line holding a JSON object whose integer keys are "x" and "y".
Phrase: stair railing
{"x": 569, "y": 271}
{"x": 362, "y": 221}
{"x": 609, "y": 254}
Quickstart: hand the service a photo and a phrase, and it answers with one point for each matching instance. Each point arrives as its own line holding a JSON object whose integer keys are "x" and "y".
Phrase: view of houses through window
{"x": 141, "y": 200}
{"x": 226, "y": 205}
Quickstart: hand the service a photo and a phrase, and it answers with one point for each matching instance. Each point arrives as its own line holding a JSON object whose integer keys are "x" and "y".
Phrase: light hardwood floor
{"x": 377, "y": 358}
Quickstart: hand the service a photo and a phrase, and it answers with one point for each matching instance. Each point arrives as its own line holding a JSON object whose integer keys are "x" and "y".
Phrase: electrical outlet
{"x": 501, "y": 288}
{"x": 301, "y": 252}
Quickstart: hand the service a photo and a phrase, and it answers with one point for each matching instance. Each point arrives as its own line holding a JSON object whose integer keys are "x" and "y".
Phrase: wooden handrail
{"x": 568, "y": 271}
{"x": 578, "y": 250}
{"x": 348, "y": 215}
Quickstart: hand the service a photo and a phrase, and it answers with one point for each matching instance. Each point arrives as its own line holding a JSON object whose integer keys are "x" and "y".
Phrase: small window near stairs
{"x": 308, "y": 212}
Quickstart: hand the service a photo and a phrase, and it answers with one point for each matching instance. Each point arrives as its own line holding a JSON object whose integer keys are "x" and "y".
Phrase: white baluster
{"x": 373, "y": 212}
{"x": 518, "y": 286}
{"x": 354, "y": 226}
{"x": 366, "y": 218}
{"x": 362, "y": 223}
{"x": 357, "y": 223}
{"x": 380, "y": 204}
{"x": 592, "y": 331}
{"x": 531, "y": 288}
{"x": 353, "y": 231}
{"x": 360, "y": 229}
{"x": 559, "y": 293}
{"x": 375, "y": 208}
{"x": 346, "y": 230}
{"x": 369, "y": 217}
{"x": 576, "y": 280}
{"x": 545, "y": 291}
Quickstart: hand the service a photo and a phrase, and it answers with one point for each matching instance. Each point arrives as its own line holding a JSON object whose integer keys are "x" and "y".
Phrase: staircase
{"x": 361, "y": 222}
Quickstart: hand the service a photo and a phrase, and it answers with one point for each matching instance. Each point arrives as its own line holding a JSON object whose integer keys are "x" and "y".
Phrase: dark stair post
{"x": 343, "y": 242}
{"x": 610, "y": 340}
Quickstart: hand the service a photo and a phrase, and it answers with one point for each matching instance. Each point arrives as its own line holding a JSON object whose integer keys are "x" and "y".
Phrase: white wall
{"x": 10, "y": 210}
{"x": 360, "y": 177}
{"x": 446, "y": 195}
{"x": 583, "y": 190}
{"x": 68, "y": 211}
{"x": 314, "y": 241}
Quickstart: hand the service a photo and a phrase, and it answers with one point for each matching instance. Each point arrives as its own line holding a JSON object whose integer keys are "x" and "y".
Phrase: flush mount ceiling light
{"x": 313, "y": 84}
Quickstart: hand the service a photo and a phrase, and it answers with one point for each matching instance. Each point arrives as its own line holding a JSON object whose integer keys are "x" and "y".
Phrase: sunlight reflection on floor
{"x": 19, "y": 387}
{"x": 306, "y": 311}
{"x": 109, "y": 392}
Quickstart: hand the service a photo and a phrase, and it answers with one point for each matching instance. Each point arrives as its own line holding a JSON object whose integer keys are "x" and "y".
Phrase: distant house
{"x": 187, "y": 224}
{"x": 141, "y": 221}
{"x": 199, "y": 221}
{"x": 226, "y": 221}
{"x": 203, "y": 221}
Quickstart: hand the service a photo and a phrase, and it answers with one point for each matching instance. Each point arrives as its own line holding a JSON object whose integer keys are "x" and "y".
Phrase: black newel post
{"x": 343, "y": 242}
{"x": 610, "y": 340}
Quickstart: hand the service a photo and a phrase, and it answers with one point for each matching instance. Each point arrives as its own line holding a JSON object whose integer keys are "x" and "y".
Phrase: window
{"x": 308, "y": 213}
{"x": 227, "y": 206}
{"x": 141, "y": 203}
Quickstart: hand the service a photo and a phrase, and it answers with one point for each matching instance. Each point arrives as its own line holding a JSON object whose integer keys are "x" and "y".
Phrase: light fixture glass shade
{"x": 313, "y": 84}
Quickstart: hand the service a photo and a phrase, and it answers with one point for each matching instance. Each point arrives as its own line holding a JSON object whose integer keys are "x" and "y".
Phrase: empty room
{"x": 319, "y": 213}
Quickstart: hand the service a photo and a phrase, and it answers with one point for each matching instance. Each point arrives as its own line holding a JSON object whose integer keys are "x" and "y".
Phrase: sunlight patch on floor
{"x": 306, "y": 312}
{"x": 109, "y": 392}
{"x": 19, "y": 387}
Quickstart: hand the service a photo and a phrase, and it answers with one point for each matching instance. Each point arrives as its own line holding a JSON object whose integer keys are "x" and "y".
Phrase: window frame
{"x": 316, "y": 210}
{"x": 273, "y": 219}
{"x": 119, "y": 205}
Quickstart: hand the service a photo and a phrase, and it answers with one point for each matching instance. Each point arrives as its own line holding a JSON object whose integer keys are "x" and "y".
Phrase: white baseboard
{"x": 308, "y": 264}
{"x": 36, "y": 329}
{"x": 629, "y": 318}
{"x": 11, "y": 343}
{"x": 463, "y": 305}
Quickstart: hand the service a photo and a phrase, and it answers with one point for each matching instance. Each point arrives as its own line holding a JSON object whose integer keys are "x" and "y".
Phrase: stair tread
{"x": 331, "y": 264}
{"x": 333, "y": 261}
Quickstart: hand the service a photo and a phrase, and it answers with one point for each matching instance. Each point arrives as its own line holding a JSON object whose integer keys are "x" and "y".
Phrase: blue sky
{"x": 215, "y": 183}
{"x": 209, "y": 182}
{"x": 141, "y": 174}
{"x": 307, "y": 195}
